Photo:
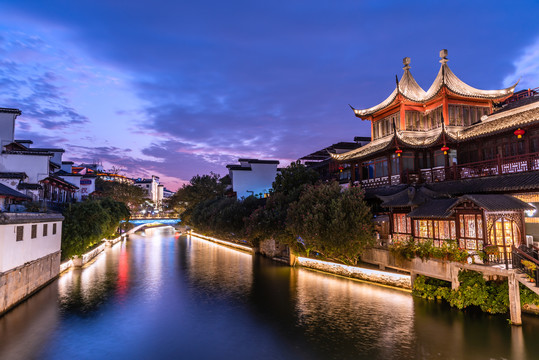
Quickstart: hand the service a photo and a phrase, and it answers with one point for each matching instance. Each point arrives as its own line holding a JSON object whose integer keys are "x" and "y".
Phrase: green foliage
{"x": 425, "y": 250}
{"x": 490, "y": 296}
{"x": 332, "y": 221}
{"x": 132, "y": 196}
{"x": 269, "y": 220}
{"x": 224, "y": 217}
{"x": 429, "y": 288}
{"x": 528, "y": 297}
{"x": 292, "y": 180}
{"x": 87, "y": 223}
{"x": 200, "y": 188}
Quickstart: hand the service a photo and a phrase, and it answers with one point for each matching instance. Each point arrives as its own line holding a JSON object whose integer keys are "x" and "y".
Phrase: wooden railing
{"x": 531, "y": 271}
{"x": 492, "y": 167}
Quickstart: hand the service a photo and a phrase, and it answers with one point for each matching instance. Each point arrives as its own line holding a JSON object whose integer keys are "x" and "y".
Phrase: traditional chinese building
{"x": 442, "y": 156}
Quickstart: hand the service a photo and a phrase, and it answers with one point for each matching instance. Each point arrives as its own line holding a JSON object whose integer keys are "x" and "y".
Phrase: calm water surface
{"x": 166, "y": 298}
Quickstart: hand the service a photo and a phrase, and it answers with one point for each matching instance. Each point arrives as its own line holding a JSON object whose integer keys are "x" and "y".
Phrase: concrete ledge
{"x": 223, "y": 242}
{"x": 381, "y": 277}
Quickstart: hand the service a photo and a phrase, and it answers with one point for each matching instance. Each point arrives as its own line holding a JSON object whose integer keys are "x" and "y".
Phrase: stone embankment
{"x": 377, "y": 276}
{"x": 82, "y": 260}
{"x": 272, "y": 249}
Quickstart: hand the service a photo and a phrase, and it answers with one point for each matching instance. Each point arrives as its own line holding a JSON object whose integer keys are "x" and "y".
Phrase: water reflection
{"x": 161, "y": 297}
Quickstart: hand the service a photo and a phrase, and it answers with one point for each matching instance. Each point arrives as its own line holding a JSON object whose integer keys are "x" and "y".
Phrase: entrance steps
{"x": 530, "y": 285}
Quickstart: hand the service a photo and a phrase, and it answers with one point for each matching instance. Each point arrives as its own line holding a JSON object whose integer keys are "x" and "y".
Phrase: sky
{"x": 178, "y": 88}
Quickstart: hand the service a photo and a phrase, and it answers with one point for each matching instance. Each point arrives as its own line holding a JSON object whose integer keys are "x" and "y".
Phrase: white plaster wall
{"x": 86, "y": 189}
{"x": 16, "y": 253}
{"x": 35, "y": 166}
{"x": 11, "y": 183}
{"x": 7, "y": 128}
{"x": 75, "y": 180}
{"x": 258, "y": 180}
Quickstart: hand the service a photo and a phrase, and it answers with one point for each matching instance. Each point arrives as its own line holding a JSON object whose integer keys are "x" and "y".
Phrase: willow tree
{"x": 335, "y": 222}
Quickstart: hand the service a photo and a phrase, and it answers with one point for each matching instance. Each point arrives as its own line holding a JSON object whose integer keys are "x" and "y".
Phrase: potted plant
{"x": 491, "y": 249}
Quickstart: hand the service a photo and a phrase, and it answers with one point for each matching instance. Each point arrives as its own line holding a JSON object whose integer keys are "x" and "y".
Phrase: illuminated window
{"x": 471, "y": 231}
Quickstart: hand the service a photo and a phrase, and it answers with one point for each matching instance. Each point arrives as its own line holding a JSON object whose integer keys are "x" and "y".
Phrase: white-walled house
{"x": 29, "y": 254}
{"x": 252, "y": 177}
{"x": 154, "y": 191}
{"x": 7, "y": 125}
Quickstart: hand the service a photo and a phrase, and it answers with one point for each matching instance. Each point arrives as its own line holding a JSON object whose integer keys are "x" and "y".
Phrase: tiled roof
{"x": 13, "y": 175}
{"x": 11, "y": 111}
{"x": 503, "y": 121}
{"x": 27, "y": 186}
{"x": 525, "y": 181}
{"x": 435, "y": 208}
{"x": 495, "y": 202}
{"x": 408, "y": 88}
{"x": 370, "y": 148}
{"x": 7, "y": 191}
{"x": 409, "y": 197}
{"x": 454, "y": 84}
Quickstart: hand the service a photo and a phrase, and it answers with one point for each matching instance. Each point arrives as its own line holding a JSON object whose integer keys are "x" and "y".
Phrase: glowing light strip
{"x": 354, "y": 269}
{"x": 532, "y": 220}
{"x": 222, "y": 242}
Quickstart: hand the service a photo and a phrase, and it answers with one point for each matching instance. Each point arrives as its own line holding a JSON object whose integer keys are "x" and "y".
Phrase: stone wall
{"x": 443, "y": 270}
{"x": 272, "y": 249}
{"x": 21, "y": 282}
{"x": 381, "y": 277}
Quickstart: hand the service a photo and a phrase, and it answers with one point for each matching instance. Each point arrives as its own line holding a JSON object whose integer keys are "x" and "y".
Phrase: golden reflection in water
{"x": 357, "y": 311}
{"x": 217, "y": 266}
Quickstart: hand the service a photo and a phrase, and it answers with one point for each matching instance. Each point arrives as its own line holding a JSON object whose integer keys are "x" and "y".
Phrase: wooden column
{"x": 514, "y": 299}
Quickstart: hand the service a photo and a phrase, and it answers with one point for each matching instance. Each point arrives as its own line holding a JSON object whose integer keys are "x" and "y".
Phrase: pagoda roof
{"x": 410, "y": 89}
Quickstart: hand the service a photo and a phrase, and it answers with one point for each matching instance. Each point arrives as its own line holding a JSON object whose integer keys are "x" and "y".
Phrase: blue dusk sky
{"x": 176, "y": 88}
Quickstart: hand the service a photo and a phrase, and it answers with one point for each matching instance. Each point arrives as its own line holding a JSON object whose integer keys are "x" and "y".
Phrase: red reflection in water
{"x": 177, "y": 235}
{"x": 123, "y": 274}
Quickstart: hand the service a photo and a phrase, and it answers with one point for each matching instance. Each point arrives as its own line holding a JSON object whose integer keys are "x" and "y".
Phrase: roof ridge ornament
{"x": 443, "y": 56}
{"x": 406, "y": 62}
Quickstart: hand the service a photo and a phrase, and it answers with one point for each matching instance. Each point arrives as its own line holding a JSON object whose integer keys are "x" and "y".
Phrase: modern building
{"x": 154, "y": 191}
{"x": 252, "y": 177}
{"x": 453, "y": 162}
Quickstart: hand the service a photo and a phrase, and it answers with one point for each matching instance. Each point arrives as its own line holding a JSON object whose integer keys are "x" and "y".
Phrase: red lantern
{"x": 398, "y": 152}
{"x": 341, "y": 168}
{"x": 519, "y": 133}
{"x": 445, "y": 149}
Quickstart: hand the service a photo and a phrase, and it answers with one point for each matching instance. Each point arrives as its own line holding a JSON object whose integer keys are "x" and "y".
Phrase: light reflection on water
{"x": 160, "y": 297}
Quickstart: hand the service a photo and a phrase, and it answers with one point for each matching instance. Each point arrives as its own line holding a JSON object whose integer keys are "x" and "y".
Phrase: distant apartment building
{"x": 252, "y": 177}
{"x": 154, "y": 190}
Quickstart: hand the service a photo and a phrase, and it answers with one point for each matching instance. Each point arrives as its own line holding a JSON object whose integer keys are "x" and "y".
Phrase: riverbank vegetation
{"x": 310, "y": 216}
{"x": 474, "y": 291}
{"x": 87, "y": 223}
{"x": 409, "y": 249}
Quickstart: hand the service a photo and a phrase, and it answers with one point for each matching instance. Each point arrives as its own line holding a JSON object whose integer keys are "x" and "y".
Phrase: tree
{"x": 269, "y": 221}
{"x": 199, "y": 189}
{"x": 87, "y": 223}
{"x": 132, "y": 196}
{"x": 330, "y": 220}
{"x": 292, "y": 179}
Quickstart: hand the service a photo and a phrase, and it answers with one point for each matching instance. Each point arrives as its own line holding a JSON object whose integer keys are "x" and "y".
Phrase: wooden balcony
{"x": 493, "y": 167}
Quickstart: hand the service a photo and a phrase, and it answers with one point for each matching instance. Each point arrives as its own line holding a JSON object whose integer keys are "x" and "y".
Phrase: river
{"x": 187, "y": 298}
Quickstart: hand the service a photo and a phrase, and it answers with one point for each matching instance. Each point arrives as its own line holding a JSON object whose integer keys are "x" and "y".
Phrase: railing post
{"x": 499, "y": 164}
